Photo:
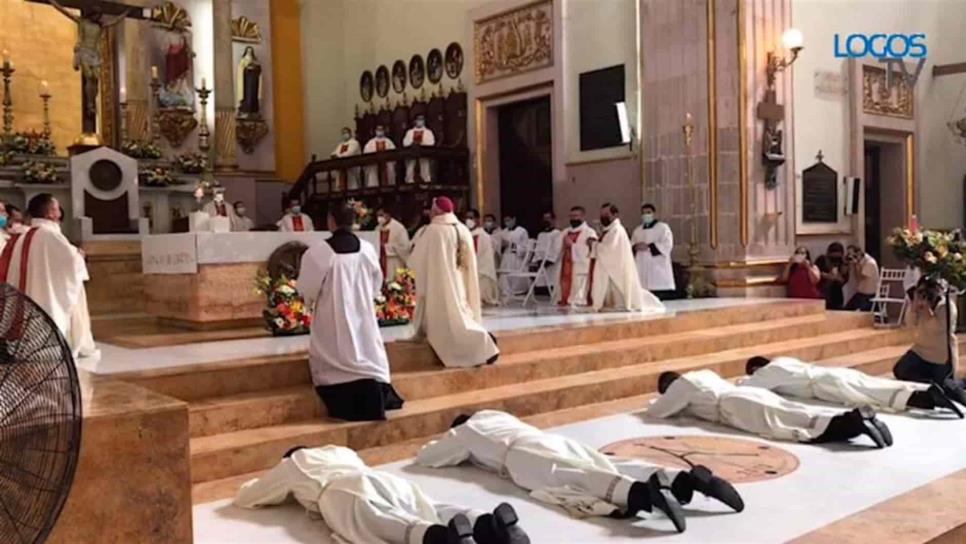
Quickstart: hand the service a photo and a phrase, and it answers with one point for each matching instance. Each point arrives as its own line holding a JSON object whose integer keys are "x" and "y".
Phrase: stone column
{"x": 226, "y": 156}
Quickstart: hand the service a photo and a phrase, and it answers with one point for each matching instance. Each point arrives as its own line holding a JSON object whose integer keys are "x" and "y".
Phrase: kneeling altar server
{"x": 615, "y": 280}
{"x": 789, "y": 376}
{"x": 558, "y": 470}
{"x": 705, "y": 395}
{"x": 339, "y": 279}
{"x": 366, "y": 506}
{"x": 448, "y": 311}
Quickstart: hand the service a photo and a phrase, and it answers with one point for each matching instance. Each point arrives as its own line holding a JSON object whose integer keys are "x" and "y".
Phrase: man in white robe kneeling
{"x": 448, "y": 310}
{"x": 364, "y": 505}
{"x": 615, "y": 281}
{"x": 485, "y": 259}
{"x": 705, "y": 395}
{"x": 339, "y": 279}
{"x": 43, "y": 264}
{"x": 788, "y": 376}
{"x": 574, "y": 263}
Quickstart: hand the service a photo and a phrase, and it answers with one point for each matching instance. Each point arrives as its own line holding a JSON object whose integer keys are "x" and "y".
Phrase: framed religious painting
{"x": 399, "y": 76}
{"x": 454, "y": 60}
{"x": 434, "y": 66}
{"x": 417, "y": 71}
{"x": 382, "y": 81}
{"x": 365, "y": 86}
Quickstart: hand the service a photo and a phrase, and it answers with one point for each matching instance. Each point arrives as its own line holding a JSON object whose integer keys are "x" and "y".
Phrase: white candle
{"x": 154, "y": 72}
{"x": 123, "y": 94}
{"x": 687, "y": 118}
{"x": 6, "y": 56}
{"x": 203, "y": 84}
{"x": 44, "y": 87}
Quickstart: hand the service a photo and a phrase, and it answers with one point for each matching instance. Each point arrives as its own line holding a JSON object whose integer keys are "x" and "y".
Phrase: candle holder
{"x": 155, "y": 107}
{"x": 124, "y": 122}
{"x": 45, "y": 96}
{"x": 7, "y": 71}
{"x": 204, "y": 140}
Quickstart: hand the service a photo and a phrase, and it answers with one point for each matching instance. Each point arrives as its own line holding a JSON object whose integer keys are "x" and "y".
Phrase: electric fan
{"x": 40, "y": 420}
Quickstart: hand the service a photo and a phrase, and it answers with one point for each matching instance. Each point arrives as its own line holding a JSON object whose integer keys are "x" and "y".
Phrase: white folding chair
{"x": 535, "y": 269}
{"x": 890, "y": 281}
{"x": 522, "y": 270}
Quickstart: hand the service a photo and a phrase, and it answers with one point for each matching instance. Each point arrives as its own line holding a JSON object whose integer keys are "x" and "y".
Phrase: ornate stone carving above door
{"x": 878, "y": 98}
{"x": 514, "y": 42}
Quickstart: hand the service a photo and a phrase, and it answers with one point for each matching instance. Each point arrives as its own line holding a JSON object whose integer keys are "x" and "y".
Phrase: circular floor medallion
{"x": 735, "y": 459}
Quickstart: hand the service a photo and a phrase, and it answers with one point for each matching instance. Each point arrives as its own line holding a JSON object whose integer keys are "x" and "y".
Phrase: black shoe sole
{"x": 942, "y": 401}
{"x": 460, "y": 530}
{"x": 663, "y": 500}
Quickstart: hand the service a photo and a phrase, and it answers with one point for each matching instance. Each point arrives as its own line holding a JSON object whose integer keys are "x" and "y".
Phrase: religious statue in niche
{"x": 176, "y": 91}
{"x": 248, "y": 84}
{"x": 417, "y": 71}
{"x": 434, "y": 66}
{"x": 399, "y": 76}
{"x": 382, "y": 81}
{"x": 175, "y": 98}
{"x": 365, "y": 86}
{"x": 773, "y": 154}
{"x": 454, "y": 60}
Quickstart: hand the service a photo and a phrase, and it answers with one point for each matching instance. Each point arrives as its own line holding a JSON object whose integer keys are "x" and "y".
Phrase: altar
{"x": 205, "y": 280}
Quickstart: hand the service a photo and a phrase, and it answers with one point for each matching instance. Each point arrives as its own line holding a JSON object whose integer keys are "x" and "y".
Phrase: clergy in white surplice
{"x": 559, "y": 470}
{"x": 574, "y": 272}
{"x": 394, "y": 243}
{"x": 549, "y": 245}
{"x": 788, "y": 376}
{"x": 515, "y": 239}
{"x": 485, "y": 259}
{"x": 217, "y": 207}
{"x": 375, "y": 176}
{"x": 362, "y": 505}
{"x": 419, "y": 136}
{"x": 615, "y": 284}
{"x": 706, "y": 395}
{"x": 294, "y": 220}
{"x": 43, "y": 264}
{"x": 244, "y": 223}
{"x": 492, "y": 227}
{"x": 448, "y": 313}
{"x": 348, "y": 147}
{"x": 652, "y": 242}
{"x": 339, "y": 279}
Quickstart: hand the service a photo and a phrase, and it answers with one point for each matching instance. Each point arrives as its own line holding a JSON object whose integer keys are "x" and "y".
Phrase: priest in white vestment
{"x": 348, "y": 147}
{"x": 515, "y": 240}
{"x": 788, "y": 376}
{"x": 339, "y": 280}
{"x": 244, "y": 223}
{"x": 448, "y": 311}
{"x": 43, "y": 264}
{"x": 561, "y": 471}
{"x": 485, "y": 259}
{"x": 294, "y": 220}
{"x": 394, "y": 244}
{"x": 419, "y": 136}
{"x": 652, "y": 242}
{"x": 378, "y": 144}
{"x": 615, "y": 284}
{"x": 705, "y": 395}
{"x": 362, "y": 505}
{"x": 572, "y": 286}
{"x": 492, "y": 227}
{"x": 217, "y": 207}
{"x": 548, "y": 248}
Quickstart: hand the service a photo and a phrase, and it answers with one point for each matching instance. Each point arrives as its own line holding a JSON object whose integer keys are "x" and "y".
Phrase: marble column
{"x": 226, "y": 154}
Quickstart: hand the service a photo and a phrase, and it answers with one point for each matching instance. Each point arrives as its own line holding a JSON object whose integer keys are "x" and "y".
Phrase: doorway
{"x": 886, "y": 206}
{"x": 526, "y": 161}
{"x": 873, "y": 192}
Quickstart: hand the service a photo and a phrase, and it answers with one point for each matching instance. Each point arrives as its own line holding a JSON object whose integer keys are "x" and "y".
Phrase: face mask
{"x": 574, "y": 223}
{"x": 346, "y": 136}
{"x": 381, "y": 220}
{"x": 606, "y": 221}
{"x": 219, "y": 198}
{"x": 647, "y": 218}
{"x": 420, "y": 123}
{"x": 3, "y": 221}
{"x": 799, "y": 258}
{"x": 380, "y": 134}
{"x": 509, "y": 224}
{"x": 489, "y": 226}
{"x": 240, "y": 211}
{"x": 296, "y": 210}
{"x": 470, "y": 224}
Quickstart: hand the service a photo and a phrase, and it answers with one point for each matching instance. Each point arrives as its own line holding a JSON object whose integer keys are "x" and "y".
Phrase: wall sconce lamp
{"x": 792, "y": 39}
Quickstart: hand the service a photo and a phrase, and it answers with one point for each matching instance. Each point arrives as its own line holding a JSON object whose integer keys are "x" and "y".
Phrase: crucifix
{"x": 95, "y": 16}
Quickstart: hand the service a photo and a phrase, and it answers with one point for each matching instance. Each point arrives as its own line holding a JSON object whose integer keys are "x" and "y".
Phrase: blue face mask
{"x": 296, "y": 210}
{"x": 3, "y": 221}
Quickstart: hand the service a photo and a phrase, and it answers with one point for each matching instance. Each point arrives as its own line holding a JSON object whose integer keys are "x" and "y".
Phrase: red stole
{"x": 380, "y": 145}
{"x": 476, "y": 243}
{"x": 220, "y": 208}
{"x": 383, "y": 256}
{"x": 567, "y": 267}
{"x": 16, "y": 328}
{"x": 297, "y": 225}
{"x": 343, "y": 148}
{"x": 418, "y": 136}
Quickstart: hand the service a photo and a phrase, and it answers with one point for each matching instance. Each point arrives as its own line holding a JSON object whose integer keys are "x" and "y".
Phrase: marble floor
{"x": 117, "y": 359}
{"x": 831, "y": 483}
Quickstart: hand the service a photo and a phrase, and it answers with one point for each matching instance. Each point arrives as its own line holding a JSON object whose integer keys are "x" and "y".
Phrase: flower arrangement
{"x": 39, "y": 172}
{"x": 397, "y": 302}
{"x": 936, "y": 254}
{"x": 191, "y": 163}
{"x": 363, "y": 213}
{"x": 6, "y": 157}
{"x": 156, "y": 177}
{"x": 138, "y": 149}
{"x": 32, "y": 143}
{"x": 286, "y": 314}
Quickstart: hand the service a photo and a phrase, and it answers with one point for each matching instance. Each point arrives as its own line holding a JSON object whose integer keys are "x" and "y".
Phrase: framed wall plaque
{"x": 454, "y": 60}
{"x": 382, "y": 81}
{"x": 820, "y": 194}
{"x": 399, "y": 76}
{"x": 417, "y": 71}
{"x": 365, "y": 86}
{"x": 434, "y": 66}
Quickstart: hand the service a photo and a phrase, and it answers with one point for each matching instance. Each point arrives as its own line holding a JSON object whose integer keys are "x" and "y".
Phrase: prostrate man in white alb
{"x": 348, "y": 147}
{"x": 394, "y": 243}
{"x": 515, "y": 239}
{"x": 573, "y": 275}
{"x": 294, "y": 220}
{"x": 485, "y": 260}
{"x": 705, "y": 395}
{"x": 788, "y": 376}
{"x": 615, "y": 281}
{"x": 419, "y": 136}
{"x": 448, "y": 311}
{"x": 362, "y": 505}
{"x": 43, "y": 264}
{"x": 548, "y": 248}
{"x": 652, "y": 242}
{"x": 558, "y": 470}
{"x": 339, "y": 279}
{"x": 378, "y": 144}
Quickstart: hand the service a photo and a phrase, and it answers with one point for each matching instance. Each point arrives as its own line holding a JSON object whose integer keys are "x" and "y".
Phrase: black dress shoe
{"x": 507, "y": 525}
{"x": 709, "y": 485}
{"x": 650, "y": 495}
{"x": 869, "y": 429}
{"x": 940, "y": 399}
{"x": 459, "y": 530}
{"x": 436, "y": 534}
{"x": 868, "y": 414}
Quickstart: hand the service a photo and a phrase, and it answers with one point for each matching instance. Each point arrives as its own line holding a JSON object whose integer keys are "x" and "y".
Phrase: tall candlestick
{"x": 155, "y": 105}
{"x": 45, "y": 96}
{"x": 7, "y": 71}
{"x": 204, "y": 142}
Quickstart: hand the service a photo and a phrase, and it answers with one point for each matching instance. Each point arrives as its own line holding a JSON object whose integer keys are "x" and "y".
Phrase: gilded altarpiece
{"x": 514, "y": 42}
{"x": 879, "y": 98}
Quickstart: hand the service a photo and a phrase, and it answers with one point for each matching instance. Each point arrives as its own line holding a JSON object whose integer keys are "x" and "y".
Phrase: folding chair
{"x": 536, "y": 268}
{"x": 504, "y": 273}
{"x": 889, "y": 280}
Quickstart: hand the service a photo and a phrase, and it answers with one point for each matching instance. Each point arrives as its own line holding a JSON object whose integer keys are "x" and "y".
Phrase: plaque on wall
{"x": 399, "y": 76}
{"x": 365, "y": 86}
{"x": 417, "y": 71}
{"x": 434, "y": 66}
{"x": 454, "y": 60}
{"x": 820, "y": 194}
{"x": 382, "y": 81}
{"x": 514, "y": 42}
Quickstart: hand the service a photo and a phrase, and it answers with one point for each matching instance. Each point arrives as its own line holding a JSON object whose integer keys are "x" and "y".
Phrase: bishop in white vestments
{"x": 339, "y": 279}
{"x": 378, "y": 144}
{"x": 705, "y": 395}
{"x": 448, "y": 311}
{"x": 394, "y": 244}
{"x": 515, "y": 239}
{"x": 652, "y": 242}
{"x": 43, "y": 264}
{"x": 419, "y": 136}
{"x": 575, "y": 262}
{"x": 788, "y": 376}
{"x": 361, "y": 505}
{"x": 485, "y": 260}
{"x": 615, "y": 281}
{"x": 294, "y": 220}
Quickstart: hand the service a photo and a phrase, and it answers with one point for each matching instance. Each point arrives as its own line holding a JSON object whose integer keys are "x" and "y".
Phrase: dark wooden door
{"x": 873, "y": 203}
{"x": 526, "y": 163}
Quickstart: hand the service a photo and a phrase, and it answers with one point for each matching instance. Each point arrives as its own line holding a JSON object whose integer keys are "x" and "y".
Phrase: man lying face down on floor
{"x": 362, "y": 505}
{"x": 558, "y": 470}
{"x": 788, "y": 376}
{"x": 705, "y": 395}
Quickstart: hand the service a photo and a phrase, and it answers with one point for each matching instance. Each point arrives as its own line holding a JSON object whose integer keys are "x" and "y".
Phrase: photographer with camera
{"x": 800, "y": 276}
{"x": 863, "y": 273}
{"x": 934, "y": 355}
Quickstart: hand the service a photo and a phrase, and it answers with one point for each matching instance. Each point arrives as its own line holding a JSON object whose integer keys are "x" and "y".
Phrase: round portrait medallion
{"x": 417, "y": 71}
{"x": 382, "y": 81}
{"x": 399, "y": 76}
{"x": 434, "y": 66}
{"x": 454, "y": 60}
{"x": 365, "y": 86}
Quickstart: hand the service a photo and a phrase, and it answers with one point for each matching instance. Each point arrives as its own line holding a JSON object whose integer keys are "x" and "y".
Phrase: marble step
{"x": 195, "y": 382}
{"x": 223, "y": 455}
{"x": 273, "y": 406}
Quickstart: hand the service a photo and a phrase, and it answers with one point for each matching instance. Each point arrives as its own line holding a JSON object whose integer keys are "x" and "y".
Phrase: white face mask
{"x": 470, "y": 224}
{"x": 381, "y": 220}
{"x": 240, "y": 211}
{"x": 346, "y": 136}
{"x": 647, "y": 217}
{"x": 420, "y": 123}
{"x": 219, "y": 198}
{"x": 380, "y": 134}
